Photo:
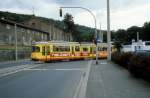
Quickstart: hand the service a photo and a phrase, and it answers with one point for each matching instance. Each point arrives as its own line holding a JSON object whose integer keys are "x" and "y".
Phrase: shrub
{"x": 139, "y": 66}
{"x": 125, "y": 58}
{"x": 121, "y": 58}
{"x": 116, "y": 57}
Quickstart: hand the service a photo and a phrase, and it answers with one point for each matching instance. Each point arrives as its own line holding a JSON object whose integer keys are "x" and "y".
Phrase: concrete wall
{"x": 25, "y": 36}
{"x": 55, "y": 33}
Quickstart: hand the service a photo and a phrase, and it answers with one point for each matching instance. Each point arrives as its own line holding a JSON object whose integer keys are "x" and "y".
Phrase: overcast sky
{"x": 124, "y": 13}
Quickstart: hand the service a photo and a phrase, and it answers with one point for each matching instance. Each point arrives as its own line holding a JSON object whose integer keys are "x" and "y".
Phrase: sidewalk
{"x": 108, "y": 80}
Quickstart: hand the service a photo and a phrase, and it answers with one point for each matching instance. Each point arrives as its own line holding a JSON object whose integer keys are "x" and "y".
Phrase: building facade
{"x": 137, "y": 46}
{"x": 25, "y": 34}
{"x": 55, "y": 33}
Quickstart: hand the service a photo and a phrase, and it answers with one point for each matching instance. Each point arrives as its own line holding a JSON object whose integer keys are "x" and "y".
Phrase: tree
{"x": 118, "y": 46}
{"x": 120, "y": 35}
{"x": 69, "y": 25}
{"x": 132, "y": 32}
{"x": 145, "y": 34}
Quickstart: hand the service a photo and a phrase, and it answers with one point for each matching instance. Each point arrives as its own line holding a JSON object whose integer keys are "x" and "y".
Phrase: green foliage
{"x": 69, "y": 23}
{"x": 118, "y": 46}
{"x": 145, "y": 32}
{"x": 15, "y": 17}
{"x": 125, "y": 36}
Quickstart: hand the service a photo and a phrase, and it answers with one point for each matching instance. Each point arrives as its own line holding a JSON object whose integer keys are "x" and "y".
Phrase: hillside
{"x": 84, "y": 33}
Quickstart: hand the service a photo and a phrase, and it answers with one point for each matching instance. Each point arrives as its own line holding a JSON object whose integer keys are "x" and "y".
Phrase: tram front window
{"x": 35, "y": 49}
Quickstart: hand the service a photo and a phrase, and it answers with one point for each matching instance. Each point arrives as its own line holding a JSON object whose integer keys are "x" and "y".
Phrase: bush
{"x": 122, "y": 58}
{"x": 116, "y": 57}
{"x": 137, "y": 64}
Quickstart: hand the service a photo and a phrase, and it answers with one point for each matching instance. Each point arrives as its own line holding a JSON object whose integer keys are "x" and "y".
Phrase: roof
{"x": 55, "y": 42}
{"x": 20, "y": 25}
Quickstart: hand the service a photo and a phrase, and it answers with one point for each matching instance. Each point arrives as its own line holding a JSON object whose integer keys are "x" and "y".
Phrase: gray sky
{"x": 124, "y": 13}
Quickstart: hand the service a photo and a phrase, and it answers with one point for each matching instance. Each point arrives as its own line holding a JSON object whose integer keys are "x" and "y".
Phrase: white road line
{"x": 15, "y": 69}
{"x": 103, "y": 63}
{"x": 70, "y": 69}
{"x": 42, "y": 69}
{"x": 81, "y": 88}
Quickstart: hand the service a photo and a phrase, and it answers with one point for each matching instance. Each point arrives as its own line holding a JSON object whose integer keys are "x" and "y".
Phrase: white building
{"x": 136, "y": 46}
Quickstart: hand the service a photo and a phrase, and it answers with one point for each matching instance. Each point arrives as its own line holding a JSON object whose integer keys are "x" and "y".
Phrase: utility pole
{"x": 101, "y": 34}
{"x": 16, "y": 47}
{"x": 137, "y": 36}
{"x": 108, "y": 32}
{"x": 33, "y": 11}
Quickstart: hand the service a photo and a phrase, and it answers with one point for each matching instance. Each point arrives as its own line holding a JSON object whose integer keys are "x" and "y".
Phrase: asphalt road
{"x": 15, "y": 63}
{"x": 49, "y": 80}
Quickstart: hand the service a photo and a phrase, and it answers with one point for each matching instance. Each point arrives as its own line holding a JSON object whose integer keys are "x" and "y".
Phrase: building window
{"x": 33, "y": 24}
{"x": 8, "y": 26}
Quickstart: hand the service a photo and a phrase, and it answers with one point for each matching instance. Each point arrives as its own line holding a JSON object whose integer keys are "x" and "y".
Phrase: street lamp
{"x": 94, "y": 22}
{"x": 108, "y": 32}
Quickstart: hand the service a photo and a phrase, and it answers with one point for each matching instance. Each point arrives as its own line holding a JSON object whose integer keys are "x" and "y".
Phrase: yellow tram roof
{"x": 56, "y": 43}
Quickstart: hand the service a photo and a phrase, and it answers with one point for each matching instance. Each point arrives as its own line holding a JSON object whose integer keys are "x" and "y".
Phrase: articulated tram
{"x": 58, "y": 50}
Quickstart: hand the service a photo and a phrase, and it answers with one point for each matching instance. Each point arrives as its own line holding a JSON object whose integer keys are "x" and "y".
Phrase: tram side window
{"x": 91, "y": 49}
{"x": 99, "y": 49}
{"x": 77, "y": 48}
{"x": 48, "y": 49}
{"x": 104, "y": 49}
{"x": 85, "y": 49}
{"x": 35, "y": 49}
{"x": 66, "y": 48}
{"x": 55, "y": 48}
{"x": 43, "y": 50}
{"x": 61, "y": 48}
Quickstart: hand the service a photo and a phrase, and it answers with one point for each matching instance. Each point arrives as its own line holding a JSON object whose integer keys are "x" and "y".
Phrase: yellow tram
{"x": 61, "y": 50}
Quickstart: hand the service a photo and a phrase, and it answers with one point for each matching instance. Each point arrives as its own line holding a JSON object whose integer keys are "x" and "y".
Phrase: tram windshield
{"x": 35, "y": 49}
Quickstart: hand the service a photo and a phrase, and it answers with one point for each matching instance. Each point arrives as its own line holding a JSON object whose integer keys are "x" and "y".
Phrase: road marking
{"x": 103, "y": 63}
{"x": 70, "y": 69}
{"x": 81, "y": 88}
{"x": 42, "y": 69}
{"x": 15, "y": 69}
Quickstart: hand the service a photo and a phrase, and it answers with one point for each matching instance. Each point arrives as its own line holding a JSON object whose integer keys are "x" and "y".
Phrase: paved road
{"x": 108, "y": 80}
{"x": 15, "y": 63}
{"x": 49, "y": 80}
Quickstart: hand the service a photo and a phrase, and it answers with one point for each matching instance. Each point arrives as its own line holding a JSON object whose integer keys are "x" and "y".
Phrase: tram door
{"x": 45, "y": 51}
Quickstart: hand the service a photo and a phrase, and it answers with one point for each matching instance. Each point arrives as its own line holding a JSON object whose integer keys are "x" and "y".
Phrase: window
{"x": 99, "y": 49}
{"x": 77, "y": 48}
{"x": 43, "y": 50}
{"x": 8, "y": 26}
{"x": 33, "y": 24}
{"x": 35, "y": 49}
{"x": 61, "y": 48}
{"x": 91, "y": 50}
{"x": 85, "y": 49}
{"x": 104, "y": 49}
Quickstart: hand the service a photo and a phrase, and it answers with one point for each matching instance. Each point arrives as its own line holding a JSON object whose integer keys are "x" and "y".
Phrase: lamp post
{"x": 108, "y": 32}
{"x": 94, "y": 23}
